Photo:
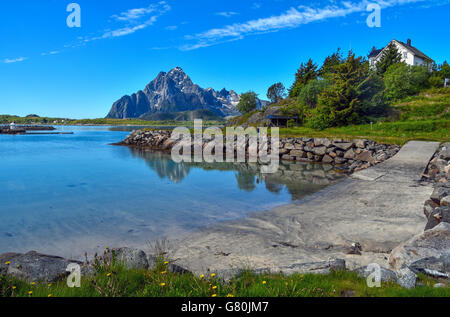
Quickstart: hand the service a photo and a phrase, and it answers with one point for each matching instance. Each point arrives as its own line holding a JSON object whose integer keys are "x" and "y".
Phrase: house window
{"x": 405, "y": 55}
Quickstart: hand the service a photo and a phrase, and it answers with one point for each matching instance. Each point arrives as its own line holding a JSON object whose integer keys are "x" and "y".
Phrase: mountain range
{"x": 174, "y": 95}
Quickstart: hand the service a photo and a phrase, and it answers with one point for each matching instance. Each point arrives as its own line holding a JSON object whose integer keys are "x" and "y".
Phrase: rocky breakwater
{"x": 429, "y": 253}
{"x": 352, "y": 155}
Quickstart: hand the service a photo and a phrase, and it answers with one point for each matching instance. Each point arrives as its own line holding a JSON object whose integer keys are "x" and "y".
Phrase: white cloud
{"x": 14, "y": 60}
{"x": 292, "y": 18}
{"x": 227, "y": 14}
{"x": 50, "y": 53}
{"x": 171, "y": 27}
{"x": 138, "y": 13}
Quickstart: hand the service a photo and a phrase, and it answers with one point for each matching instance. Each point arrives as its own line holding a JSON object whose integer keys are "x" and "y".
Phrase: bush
{"x": 436, "y": 81}
{"x": 402, "y": 80}
{"x": 309, "y": 94}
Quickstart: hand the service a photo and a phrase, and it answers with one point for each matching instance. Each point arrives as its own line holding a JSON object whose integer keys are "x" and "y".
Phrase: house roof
{"x": 414, "y": 50}
{"x": 375, "y": 52}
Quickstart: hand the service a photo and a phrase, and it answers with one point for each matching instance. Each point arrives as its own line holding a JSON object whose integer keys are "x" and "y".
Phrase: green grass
{"x": 384, "y": 132}
{"x": 113, "y": 280}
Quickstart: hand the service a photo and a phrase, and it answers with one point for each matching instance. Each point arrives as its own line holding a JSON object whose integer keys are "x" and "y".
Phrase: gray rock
{"x": 438, "y": 215}
{"x": 34, "y": 267}
{"x": 431, "y": 243}
{"x": 439, "y": 285}
{"x": 343, "y": 146}
{"x": 439, "y": 193}
{"x": 445, "y": 201}
{"x": 132, "y": 258}
{"x": 321, "y": 150}
{"x": 406, "y": 278}
{"x": 365, "y": 156}
{"x": 324, "y": 267}
{"x": 322, "y": 141}
{"x": 386, "y": 274}
{"x": 350, "y": 154}
{"x": 327, "y": 159}
{"x": 433, "y": 266}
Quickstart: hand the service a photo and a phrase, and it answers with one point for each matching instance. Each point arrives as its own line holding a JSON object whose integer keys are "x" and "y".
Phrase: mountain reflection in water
{"x": 300, "y": 179}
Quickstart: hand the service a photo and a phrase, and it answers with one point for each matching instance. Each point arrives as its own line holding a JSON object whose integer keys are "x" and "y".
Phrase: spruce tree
{"x": 389, "y": 57}
{"x": 304, "y": 74}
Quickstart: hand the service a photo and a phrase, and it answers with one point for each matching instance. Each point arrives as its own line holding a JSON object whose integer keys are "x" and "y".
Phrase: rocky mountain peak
{"x": 174, "y": 92}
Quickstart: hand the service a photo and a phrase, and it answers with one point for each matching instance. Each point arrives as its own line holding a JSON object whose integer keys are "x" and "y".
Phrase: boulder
{"x": 386, "y": 274}
{"x": 445, "y": 201}
{"x": 324, "y": 267}
{"x": 439, "y": 193}
{"x": 350, "y": 154}
{"x": 322, "y": 141}
{"x": 365, "y": 156}
{"x": 321, "y": 150}
{"x": 431, "y": 243}
{"x": 438, "y": 215}
{"x": 360, "y": 143}
{"x": 327, "y": 159}
{"x": 406, "y": 278}
{"x": 134, "y": 258}
{"x": 298, "y": 153}
{"x": 429, "y": 207}
{"x": 35, "y": 267}
{"x": 343, "y": 146}
{"x": 433, "y": 266}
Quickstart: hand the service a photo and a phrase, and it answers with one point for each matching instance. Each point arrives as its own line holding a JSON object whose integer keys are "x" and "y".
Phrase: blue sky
{"x": 49, "y": 69}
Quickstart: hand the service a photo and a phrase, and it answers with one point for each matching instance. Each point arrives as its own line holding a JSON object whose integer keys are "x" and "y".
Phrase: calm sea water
{"x": 67, "y": 194}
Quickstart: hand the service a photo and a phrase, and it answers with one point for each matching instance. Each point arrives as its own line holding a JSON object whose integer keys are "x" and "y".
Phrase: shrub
{"x": 402, "y": 80}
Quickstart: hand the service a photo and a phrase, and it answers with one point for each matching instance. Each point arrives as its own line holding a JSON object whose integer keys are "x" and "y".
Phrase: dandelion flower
{"x": 49, "y": 295}
{"x": 14, "y": 287}
{"x": 214, "y": 274}
{"x": 164, "y": 272}
{"x": 165, "y": 263}
{"x": 33, "y": 283}
{"x": 214, "y": 295}
{"x": 264, "y": 282}
{"x": 202, "y": 276}
{"x": 8, "y": 263}
{"x": 162, "y": 284}
{"x": 30, "y": 293}
{"x": 108, "y": 275}
{"x": 214, "y": 287}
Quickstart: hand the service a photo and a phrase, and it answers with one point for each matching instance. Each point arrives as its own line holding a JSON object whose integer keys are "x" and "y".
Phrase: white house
{"x": 410, "y": 54}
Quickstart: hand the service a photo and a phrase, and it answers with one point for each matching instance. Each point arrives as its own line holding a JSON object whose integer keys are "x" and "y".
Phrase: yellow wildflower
{"x": 33, "y": 283}
{"x": 165, "y": 263}
{"x": 14, "y": 287}
{"x": 264, "y": 282}
{"x": 19, "y": 266}
{"x": 202, "y": 276}
{"x": 214, "y": 274}
{"x": 214, "y": 295}
{"x": 49, "y": 295}
{"x": 162, "y": 284}
{"x": 30, "y": 293}
{"x": 214, "y": 287}
{"x": 8, "y": 263}
{"x": 230, "y": 295}
{"x": 108, "y": 275}
{"x": 49, "y": 285}
{"x": 164, "y": 272}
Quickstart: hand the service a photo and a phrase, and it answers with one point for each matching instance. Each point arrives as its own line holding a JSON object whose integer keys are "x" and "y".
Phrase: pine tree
{"x": 341, "y": 103}
{"x": 330, "y": 63}
{"x": 389, "y": 57}
{"x": 304, "y": 74}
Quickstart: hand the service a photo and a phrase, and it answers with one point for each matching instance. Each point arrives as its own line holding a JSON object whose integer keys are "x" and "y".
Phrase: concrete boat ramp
{"x": 377, "y": 208}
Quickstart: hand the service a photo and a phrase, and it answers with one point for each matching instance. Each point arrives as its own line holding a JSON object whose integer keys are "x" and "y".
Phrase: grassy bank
{"x": 398, "y": 132}
{"x": 116, "y": 281}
